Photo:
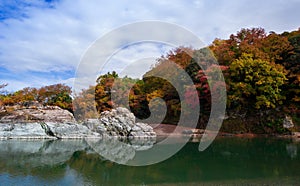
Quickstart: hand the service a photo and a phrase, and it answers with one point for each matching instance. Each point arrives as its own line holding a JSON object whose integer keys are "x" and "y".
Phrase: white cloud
{"x": 135, "y": 60}
{"x": 31, "y": 81}
{"x": 54, "y": 39}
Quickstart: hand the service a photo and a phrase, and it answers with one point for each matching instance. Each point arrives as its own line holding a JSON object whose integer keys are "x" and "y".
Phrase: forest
{"x": 262, "y": 81}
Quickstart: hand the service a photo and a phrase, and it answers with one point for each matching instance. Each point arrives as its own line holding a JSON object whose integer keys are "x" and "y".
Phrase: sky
{"x": 42, "y": 42}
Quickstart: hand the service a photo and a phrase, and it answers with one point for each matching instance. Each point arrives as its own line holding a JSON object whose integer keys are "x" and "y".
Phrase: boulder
{"x": 120, "y": 122}
{"x": 142, "y": 130}
{"x": 287, "y": 122}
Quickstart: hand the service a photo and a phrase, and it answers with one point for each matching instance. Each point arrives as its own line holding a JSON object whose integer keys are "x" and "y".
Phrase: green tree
{"x": 255, "y": 83}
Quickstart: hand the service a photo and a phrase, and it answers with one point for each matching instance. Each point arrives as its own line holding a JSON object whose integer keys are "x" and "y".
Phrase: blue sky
{"x": 42, "y": 41}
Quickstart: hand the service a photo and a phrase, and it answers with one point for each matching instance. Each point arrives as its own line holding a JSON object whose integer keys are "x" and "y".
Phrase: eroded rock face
{"x": 45, "y": 130}
{"x": 23, "y": 130}
{"x": 54, "y": 123}
{"x": 120, "y": 122}
{"x": 34, "y": 113}
{"x": 69, "y": 130}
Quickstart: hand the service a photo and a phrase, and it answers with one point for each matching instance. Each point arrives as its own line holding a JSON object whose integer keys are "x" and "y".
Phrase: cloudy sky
{"x": 43, "y": 41}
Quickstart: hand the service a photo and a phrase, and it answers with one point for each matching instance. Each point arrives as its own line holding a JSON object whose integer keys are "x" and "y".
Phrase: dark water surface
{"x": 228, "y": 161}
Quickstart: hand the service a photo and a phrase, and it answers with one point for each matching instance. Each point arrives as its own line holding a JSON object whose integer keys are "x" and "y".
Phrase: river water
{"x": 228, "y": 161}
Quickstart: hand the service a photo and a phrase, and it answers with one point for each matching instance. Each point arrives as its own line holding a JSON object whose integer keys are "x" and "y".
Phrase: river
{"x": 228, "y": 161}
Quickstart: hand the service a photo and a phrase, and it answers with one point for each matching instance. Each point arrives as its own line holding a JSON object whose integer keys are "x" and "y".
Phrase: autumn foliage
{"x": 260, "y": 71}
{"x": 261, "y": 74}
{"x": 55, "y": 95}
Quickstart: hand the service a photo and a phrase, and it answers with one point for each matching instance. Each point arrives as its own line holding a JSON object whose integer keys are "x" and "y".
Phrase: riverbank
{"x": 35, "y": 121}
{"x": 164, "y": 130}
{"x": 44, "y": 122}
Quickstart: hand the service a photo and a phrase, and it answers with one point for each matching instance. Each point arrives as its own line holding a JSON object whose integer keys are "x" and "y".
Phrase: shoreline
{"x": 162, "y": 131}
{"x": 165, "y": 130}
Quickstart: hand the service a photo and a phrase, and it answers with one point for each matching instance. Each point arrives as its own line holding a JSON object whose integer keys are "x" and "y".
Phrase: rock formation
{"x": 34, "y": 112}
{"x": 120, "y": 122}
{"x": 45, "y": 130}
{"x": 287, "y": 122}
{"x": 41, "y": 122}
{"x": 23, "y": 130}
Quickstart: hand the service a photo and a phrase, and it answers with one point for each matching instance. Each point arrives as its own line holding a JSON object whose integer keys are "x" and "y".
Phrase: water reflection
{"x": 74, "y": 162}
{"x": 38, "y": 153}
{"x": 120, "y": 151}
{"x": 292, "y": 150}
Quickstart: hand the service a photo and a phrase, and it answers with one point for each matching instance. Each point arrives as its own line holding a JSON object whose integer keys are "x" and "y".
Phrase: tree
{"x": 181, "y": 56}
{"x": 58, "y": 95}
{"x": 253, "y": 41}
{"x": 291, "y": 62}
{"x": 84, "y": 104}
{"x": 112, "y": 91}
{"x": 256, "y": 83}
{"x": 245, "y": 41}
{"x": 155, "y": 86}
